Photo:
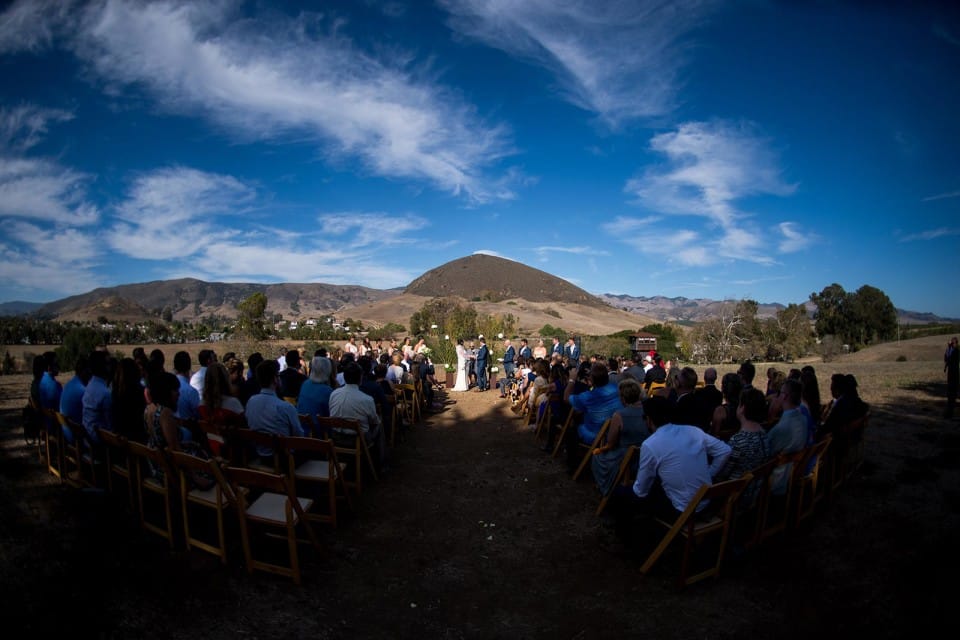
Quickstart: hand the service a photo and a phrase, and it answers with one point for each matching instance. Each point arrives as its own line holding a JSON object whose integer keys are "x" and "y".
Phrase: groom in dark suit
{"x": 572, "y": 351}
{"x": 483, "y": 354}
{"x": 509, "y": 365}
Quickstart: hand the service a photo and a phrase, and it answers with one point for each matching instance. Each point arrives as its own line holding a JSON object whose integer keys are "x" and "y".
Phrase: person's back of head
{"x": 630, "y": 391}
{"x": 292, "y": 358}
{"x": 205, "y": 357}
{"x": 687, "y": 380}
{"x": 216, "y": 384}
{"x": 851, "y": 386}
{"x": 599, "y": 375}
{"x": 158, "y": 357}
{"x": 380, "y": 371}
{"x": 658, "y": 409}
{"x": 82, "y": 369}
{"x": 181, "y": 362}
{"x": 747, "y": 372}
{"x": 352, "y": 373}
{"x": 99, "y": 365}
{"x": 792, "y": 392}
{"x": 730, "y": 386}
{"x": 320, "y": 368}
{"x": 754, "y": 405}
{"x": 267, "y": 372}
{"x": 254, "y": 361}
{"x": 710, "y": 376}
{"x": 838, "y": 385}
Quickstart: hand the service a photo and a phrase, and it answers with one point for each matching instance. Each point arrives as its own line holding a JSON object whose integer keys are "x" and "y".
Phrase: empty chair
{"x": 153, "y": 476}
{"x": 807, "y": 479}
{"x": 312, "y": 462}
{"x": 118, "y": 463}
{"x": 267, "y": 501}
{"x": 215, "y": 499}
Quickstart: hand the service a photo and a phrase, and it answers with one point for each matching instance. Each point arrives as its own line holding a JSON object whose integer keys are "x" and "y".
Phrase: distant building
{"x": 216, "y": 336}
{"x": 642, "y": 342}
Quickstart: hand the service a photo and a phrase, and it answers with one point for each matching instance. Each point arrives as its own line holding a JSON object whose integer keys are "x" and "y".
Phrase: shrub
{"x": 901, "y": 358}
{"x": 552, "y": 312}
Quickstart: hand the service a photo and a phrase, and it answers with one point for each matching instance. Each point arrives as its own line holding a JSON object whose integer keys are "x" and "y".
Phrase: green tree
{"x": 79, "y": 341}
{"x": 251, "y": 316}
{"x": 833, "y": 313}
{"x": 874, "y": 316}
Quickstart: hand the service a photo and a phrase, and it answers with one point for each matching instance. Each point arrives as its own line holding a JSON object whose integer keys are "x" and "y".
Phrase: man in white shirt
{"x": 205, "y": 357}
{"x": 681, "y": 457}
{"x": 351, "y": 403}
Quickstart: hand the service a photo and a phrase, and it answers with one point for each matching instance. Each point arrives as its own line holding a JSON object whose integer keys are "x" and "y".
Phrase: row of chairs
{"x": 749, "y": 505}
{"x": 300, "y": 484}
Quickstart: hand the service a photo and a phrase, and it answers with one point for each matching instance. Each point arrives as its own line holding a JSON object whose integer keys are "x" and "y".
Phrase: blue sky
{"x": 690, "y": 148}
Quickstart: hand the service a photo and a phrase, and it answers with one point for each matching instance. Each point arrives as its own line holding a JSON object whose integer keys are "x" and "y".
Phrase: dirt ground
{"x": 475, "y": 533}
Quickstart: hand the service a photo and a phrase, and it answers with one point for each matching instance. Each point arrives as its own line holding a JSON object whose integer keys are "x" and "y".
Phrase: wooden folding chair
{"x": 543, "y": 422}
{"x": 244, "y": 443}
{"x": 405, "y": 395}
{"x": 347, "y": 436}
{"x": 588, "y": 449}
{"x": 118, "y": 463}
{"x": 217, "y": 499}
{"x": 567, "y": 424}
{"x": 695, "y": 528}
{"x": 777, "y": 508}
{"x": 153, "y": 475}
{"x": 50, "y": 442}
{"x": 314, "y": 461}
{"x": 751, "y": 510}
{"x": 80, "y": 455}
{"x": 623, "y": 476}
{"x": 807, "y": 479}
{"x": 268, "y": 500}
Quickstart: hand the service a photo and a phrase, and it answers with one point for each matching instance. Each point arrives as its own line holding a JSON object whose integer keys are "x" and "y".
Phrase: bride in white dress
{"x": 461, "y": 383}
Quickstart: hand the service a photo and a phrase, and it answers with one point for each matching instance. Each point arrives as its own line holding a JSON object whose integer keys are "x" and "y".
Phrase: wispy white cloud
{"x": 31, "y": 25}
{"x": 26, "y": 125}
{"x": 44, "y": 190}
{"x": 620, "y": 60}
{"x": 173, "y": 213}
{"x": 931, "y": 234}
{"x": 942, "y": 196}
{"x": 580, "y": 251}
{"x": 793, "y": 239}
{"x": 709, "y": 167}
{"x": 297, "y": 79}
{"x": 363, "y": 228}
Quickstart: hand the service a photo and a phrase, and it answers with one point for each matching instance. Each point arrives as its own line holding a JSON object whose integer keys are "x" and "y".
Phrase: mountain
{"x": 690, "y": 310}
{"x": 18, "y": 307}
{"x": 487, "y": 278}
{"x": 190, "y": 299}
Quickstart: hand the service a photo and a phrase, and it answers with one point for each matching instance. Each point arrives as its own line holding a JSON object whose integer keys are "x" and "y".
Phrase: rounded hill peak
{"x": 495, "y": 279}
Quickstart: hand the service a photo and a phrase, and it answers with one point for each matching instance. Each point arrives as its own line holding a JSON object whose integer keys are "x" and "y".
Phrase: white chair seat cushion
{"x": 271, "y": 507}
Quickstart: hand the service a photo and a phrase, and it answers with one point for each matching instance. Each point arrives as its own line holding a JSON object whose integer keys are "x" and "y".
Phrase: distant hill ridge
{"x": 493, "y": 279}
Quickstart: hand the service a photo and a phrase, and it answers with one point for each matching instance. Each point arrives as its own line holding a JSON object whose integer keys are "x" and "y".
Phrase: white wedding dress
{"x": 461, "y": 383}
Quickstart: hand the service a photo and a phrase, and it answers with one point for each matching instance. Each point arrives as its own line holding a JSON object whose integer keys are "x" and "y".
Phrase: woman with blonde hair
{"x": 218, "y": 403}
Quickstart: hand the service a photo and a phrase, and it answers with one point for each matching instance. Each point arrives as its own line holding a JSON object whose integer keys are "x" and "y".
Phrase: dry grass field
{"x": 475, "y": 533}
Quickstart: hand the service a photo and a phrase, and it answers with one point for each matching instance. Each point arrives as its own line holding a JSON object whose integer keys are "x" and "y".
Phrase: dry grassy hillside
{"x": 590, "y": 319}
{"x": 926, "y": 349}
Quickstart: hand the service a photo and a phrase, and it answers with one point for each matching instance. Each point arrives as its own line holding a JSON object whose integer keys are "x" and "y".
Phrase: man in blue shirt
{"x": 71, "y": 400}
{"x": 789, "y": 435}
{"x": 50, "y": 387}
{"x": 597, "y": 405}
{"x": 268, "y": 412}
{"x": 97, "y": 401}
{"x": 188, "y": 406}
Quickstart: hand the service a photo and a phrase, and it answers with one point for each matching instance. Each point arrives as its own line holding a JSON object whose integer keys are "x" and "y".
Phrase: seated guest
{"x": 71, "y": 400}
{"x": 314, "y": 399}
{"x": 775, "y": 380}
{"x": 219, "y": 405}
{"x": 250, "y": 386}
{"x": 96, "y": 397}
{"x": 396, "y": 371}
{"x": 205, "y": 357}
{"x": 725, "y": 422}
{"x": 350, "y": 402}
{"x": 127, "y": 401}
{"x": 596, "y": 405}
{"x": 749, "y": 444}
{"x": 685, "y": 409}
{"x": 291, "y": 378}
{"x": 747, "y": 372}
{"x": 267, "y": 412}
{"x": 656, "y": 373}
{"x": 789, "y": 435}
{"x": 50, "y": 388}
{"x": 810, "y": 401}
{"x": 188, "y": 406}
{"x": 708, "y": 398}
{"x": 675, "y": 461}
{"x": 628, "y": 426}
{"x": 846, "y": 406}
{"x": 235, "y": 371}
{"x": 159, "y": 419}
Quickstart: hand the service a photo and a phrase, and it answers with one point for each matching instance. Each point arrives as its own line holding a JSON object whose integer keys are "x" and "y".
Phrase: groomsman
{"x": 572, "y": 351}
{"x": 557, "y": 349}
{"x": 509, "y": 358}
{"x": 525, "y": 351}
